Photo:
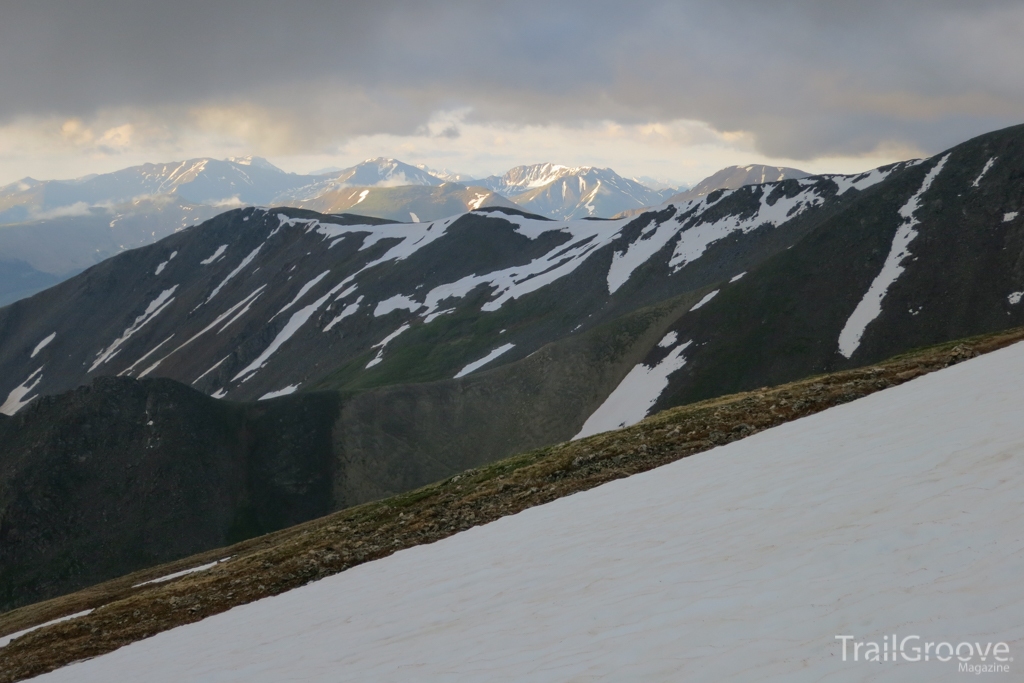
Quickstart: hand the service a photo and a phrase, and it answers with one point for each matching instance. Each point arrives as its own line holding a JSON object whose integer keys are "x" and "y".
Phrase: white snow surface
{"x": 43, "y": 344}
{"x": 297, "y": 320}
{"x": 695, "y": 240}
{"x": 349, "y": 310}
{"x": 1007, "y": 217}
{"x": 984, "y": 170}
{"x": 16, "y": 400}
{"x": 183, "y": 572}
{"x": 246, "y": 302}
{"x": 898, "y": 513}
{"x": 155, "y": 308}
{"x": 477, "y": 364}
{"x": 396, "y": 303}
{"x": 668, "y": 340}
{"x": 735, "y": 278}
{"x": 287, "y": 391}
{"x": 870, "y": 306}
{"x": 1015, "y": 297}
{"x": 215, "y": 255}
{"x": 383, "y": 344}
{"x": 707, "y": 297}
{"x": 238, "y": 269}
{"x": 636, "y": 394}
{"x": 302, "y": 292}
{"x": 4, "y": 640}
{"x": 861, "y": 181}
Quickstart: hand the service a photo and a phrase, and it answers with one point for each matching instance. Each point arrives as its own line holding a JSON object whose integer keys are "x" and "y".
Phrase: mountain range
{"x": 419, "y": 350}
{"x": 50, "y": 230}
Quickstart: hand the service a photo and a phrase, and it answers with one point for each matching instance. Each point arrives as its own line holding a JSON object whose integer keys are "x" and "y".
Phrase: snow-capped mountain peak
{"x": 255, "y": 162}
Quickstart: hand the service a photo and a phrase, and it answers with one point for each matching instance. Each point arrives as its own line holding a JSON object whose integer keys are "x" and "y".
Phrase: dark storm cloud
{"x": 807, "y": 78}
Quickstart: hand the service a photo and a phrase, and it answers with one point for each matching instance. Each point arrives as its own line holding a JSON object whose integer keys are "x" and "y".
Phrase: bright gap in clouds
{"x": 680, "y": 151}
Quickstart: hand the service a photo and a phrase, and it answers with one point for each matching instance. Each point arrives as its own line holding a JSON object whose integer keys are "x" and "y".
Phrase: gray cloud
{"x": 807, "y": 78}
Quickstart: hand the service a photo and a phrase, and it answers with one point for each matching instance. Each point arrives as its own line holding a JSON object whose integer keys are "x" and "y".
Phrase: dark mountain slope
{"x": 963, "y": 272}
{"x": 125, "y": 474}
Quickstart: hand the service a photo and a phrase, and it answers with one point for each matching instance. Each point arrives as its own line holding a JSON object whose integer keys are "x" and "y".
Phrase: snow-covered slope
{"x": 896, "y": 516}
{"x": 563, "y": 192}
{"x": 333, "y": 290}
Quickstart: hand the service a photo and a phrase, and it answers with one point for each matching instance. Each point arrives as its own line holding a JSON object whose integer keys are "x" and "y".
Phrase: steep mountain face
{"x": 735, "y": 177}
{"x": 455, "y": 342}
{"x": 406, "y": 203}
{"x": 124, "y": 474}
{"x": 589, "y": 193}
{"x": 566, "y": 193}
{"x": 522, "y": 178}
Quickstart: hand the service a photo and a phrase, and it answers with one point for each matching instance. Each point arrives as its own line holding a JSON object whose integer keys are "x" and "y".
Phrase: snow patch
{"x": 438, "y": 314}
{"x": 870, "y": 306}
{"x": 414, "y": 217}
{"x": 215, "y": 255}
{"x": 1007, "y": 217}
{"x": 183, "y": 572}
{"x": 160, "y": 268}
{"x": 707, "y": 297}
{"x": 861, "y": 181}
{"x": 247, "y": 301}
{"x": 302, "y": 292}
{"x": 17, "y": 400}
{"x": 635, "y": 395}
{"x": 287, "y": 391}
{"x": 988, "y": 165}
{"x": 155, "y": 308}
{"x": 735, "y": 278}
{"x": 348, "y": 310}
{"x": 1014, "y": 298}
{"x": 637, "y": 253}
{"x": 476, "y": 365}
{"x": 695, "y": 239}
{"x": 668, "y": 340}
{"x": 4, "y": 640}
{"x": 43, "y": 344}
{"x": 212, "y": 368}
{"x": 382, "y": 344}
{"x": 246, "y": 261}
{"x": 297, "y": 320}
{"x": 396, "y": 303}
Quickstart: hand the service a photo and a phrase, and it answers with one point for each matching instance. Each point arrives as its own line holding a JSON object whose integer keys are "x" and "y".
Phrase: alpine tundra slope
{"x": 797, "y": 554}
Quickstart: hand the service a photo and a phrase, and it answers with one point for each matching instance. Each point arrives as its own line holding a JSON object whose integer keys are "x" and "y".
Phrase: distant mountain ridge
{"x": 59, "y": 227}
{"x": 566, "y": 193}
{"x": 735, "y": 177}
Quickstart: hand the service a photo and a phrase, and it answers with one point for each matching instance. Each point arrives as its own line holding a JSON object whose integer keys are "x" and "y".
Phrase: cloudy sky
{"x": 672, "y": 90}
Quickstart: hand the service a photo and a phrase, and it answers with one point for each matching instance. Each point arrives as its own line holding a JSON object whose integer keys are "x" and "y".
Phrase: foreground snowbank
{"x": 897, "y": 514}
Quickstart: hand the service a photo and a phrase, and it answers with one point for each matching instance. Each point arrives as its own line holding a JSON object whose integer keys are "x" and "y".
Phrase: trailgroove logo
{"x": 975, "y": 658}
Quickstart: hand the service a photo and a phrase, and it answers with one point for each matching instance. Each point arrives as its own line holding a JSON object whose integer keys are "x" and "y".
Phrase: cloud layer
{"x": 802, "y": 79}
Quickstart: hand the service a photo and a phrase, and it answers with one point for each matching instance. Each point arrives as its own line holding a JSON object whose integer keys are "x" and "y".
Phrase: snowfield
{"x": 899, "y": 513}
